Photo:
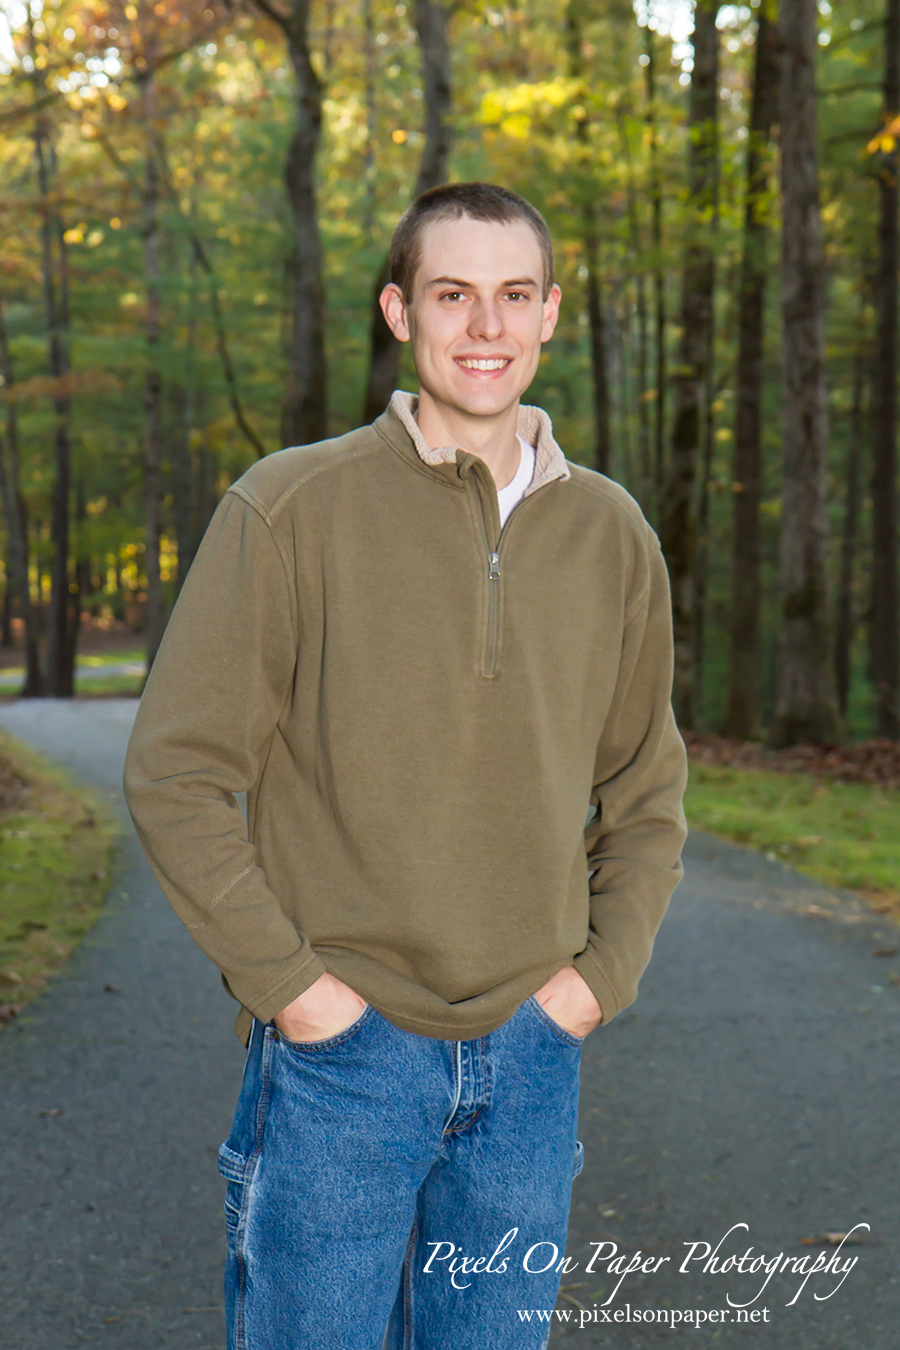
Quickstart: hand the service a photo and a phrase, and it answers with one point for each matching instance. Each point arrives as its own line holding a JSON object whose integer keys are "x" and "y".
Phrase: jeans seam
{"x": 262, "y": 1109}
{"x": 559, "y": 1032}
{"x": 331, "y": 1040}
{"x": 407, "y": 1286}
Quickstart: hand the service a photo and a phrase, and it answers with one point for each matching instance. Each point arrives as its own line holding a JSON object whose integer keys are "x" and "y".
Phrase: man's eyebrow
{"x": 467, "y": 285}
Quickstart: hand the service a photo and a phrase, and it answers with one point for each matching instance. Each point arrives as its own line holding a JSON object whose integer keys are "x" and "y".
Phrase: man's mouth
{"x": 483, "y": 362}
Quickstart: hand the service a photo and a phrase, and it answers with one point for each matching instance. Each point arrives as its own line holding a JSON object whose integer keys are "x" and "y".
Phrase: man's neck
{"x": 492, "y": 439}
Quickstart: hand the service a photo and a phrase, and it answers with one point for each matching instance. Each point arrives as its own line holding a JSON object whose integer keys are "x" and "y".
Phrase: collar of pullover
{"x": 534, "y": 426}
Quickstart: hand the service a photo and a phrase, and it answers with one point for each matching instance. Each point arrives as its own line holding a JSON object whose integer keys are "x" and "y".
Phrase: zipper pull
{"x": 494, "y": 560}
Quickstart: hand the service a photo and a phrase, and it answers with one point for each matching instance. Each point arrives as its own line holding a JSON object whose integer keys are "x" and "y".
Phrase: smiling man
{"x": 424, "y": 649}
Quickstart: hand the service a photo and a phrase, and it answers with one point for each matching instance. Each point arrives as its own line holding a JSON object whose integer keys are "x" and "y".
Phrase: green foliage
{"x": 563, "y": 121}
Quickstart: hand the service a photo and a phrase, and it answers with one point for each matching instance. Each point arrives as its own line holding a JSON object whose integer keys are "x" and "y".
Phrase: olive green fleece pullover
{"x": 420, "y": 708}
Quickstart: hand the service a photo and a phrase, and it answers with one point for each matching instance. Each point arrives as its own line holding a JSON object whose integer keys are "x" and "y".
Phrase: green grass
{"x": 98, "y": 686}
{"x": 56, "y": 842}
{"x": 843, "y": 834}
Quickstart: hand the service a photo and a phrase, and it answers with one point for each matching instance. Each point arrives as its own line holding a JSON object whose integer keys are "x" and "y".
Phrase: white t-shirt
{"x": 514, "y": 491}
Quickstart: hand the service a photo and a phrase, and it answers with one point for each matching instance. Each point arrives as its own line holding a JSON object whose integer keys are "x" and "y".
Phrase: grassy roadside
{"x": 843, "y": 834}
{"x": 91, "y": 677}
{"x": 56, "y": 842}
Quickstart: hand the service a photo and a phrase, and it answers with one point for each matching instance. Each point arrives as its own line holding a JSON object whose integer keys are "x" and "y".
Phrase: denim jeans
{"x": 372, "y": 1178}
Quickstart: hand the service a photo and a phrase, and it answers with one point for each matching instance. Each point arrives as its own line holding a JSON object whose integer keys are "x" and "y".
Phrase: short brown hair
{"x": 481, "y": 201}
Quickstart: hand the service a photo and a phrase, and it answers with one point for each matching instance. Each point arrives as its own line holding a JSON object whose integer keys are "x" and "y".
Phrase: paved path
{"x": 755, "y": 1081}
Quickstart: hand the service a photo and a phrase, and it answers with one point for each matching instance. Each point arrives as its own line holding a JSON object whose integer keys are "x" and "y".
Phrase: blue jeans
{"x": 389, "y": 1191}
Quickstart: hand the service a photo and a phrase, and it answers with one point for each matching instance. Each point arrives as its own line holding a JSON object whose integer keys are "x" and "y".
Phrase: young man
{"x": 423, "y": 649}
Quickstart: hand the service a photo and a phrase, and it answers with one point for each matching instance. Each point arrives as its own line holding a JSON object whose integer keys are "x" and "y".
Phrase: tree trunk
{"x": 637, "y": 253}
{"x": 54, "y": 264}
{"x": 659, "y": 280}
{"x": 384, "y": 350}
{"x": 16, "y": 521}
{"x": 678, "y": 509}
{"x": 846, "y": 625}
{"x": 884, "y": 629}
{"x": 702, "y": 562}
{"x": 305, "y": 416}
{"x": 805, "y": 708}
{"x": 576, "y": 14}
{"x": 744, "y": 669}
{"x": 153, "y": 381}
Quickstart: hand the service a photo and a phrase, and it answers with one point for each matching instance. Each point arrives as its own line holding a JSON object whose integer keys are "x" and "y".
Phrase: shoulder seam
{"x": 269, "y": 516}
{"x": 259, "y": 510}
{"x": 599, "y": 490}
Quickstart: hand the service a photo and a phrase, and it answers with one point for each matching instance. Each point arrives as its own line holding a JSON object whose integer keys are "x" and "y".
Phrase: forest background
{"x": 196, "y": 207}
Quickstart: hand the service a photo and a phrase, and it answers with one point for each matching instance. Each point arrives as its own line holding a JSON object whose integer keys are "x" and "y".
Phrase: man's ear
{"x": 393, "y": 307}
{"x": 551, "y": 313}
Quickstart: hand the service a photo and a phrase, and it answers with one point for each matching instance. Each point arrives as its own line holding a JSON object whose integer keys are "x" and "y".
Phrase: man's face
{"x": 476, "y": 319}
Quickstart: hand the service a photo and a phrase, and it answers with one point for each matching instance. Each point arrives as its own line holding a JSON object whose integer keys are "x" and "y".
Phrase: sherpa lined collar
{"x": 534, "y": 426}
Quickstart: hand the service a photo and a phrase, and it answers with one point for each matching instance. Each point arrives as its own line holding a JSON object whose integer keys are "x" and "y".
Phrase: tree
{"x": 678, "y": 509}
{"x": 306, "y": 406}
{"x": 846, "y": 622}
{"x": 432, "y": 17}
{"x": 884, "y": 627}
{"x": 576, "y": 14}
{"x": 743, "y": 673}
{"x": 805, "y": 708}
{"x": 16, "y": 520}
{"x": 60, "y": 668}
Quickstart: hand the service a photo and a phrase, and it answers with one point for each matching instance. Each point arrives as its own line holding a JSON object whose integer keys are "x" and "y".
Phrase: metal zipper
{"x": 493, "y": 595}
{"x": 493, "y": 598}
{"x": 455, "y": 1107}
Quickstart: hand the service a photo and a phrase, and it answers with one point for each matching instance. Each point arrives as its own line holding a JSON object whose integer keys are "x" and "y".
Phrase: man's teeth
{"x": 497, "y": 364}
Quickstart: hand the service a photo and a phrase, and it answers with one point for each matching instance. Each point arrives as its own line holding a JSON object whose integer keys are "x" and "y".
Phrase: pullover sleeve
{"x": 634, "y": 842}
{"x": 210, "y": 707}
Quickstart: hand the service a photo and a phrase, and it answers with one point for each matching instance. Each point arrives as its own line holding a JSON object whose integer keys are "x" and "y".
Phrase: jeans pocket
{"x": 233, "y": 1167}
{"x": 561, "y": 1034}
{"x": 305, "y": 1047}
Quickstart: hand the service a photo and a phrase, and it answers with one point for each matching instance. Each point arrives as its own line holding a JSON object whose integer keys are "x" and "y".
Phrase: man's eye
{"x": 451, "y": 295}
{"x": 516, "y": 295}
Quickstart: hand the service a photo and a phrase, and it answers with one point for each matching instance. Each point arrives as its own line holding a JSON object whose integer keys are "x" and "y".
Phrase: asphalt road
{"x": 755, "y": 1083}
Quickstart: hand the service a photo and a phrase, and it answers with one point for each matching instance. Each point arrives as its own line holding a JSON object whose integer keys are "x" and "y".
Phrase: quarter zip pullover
{"x": 421, "y": 708}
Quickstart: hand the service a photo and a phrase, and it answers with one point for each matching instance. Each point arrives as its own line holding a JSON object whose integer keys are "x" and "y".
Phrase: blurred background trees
{"x": 196, "y": 208}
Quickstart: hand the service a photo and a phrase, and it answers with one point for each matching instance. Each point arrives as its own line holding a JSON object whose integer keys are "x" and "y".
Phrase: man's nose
{"x": 485, "y": 321}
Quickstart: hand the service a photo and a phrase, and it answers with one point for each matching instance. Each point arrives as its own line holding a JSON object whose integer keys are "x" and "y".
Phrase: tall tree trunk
{"x": 744, "y": 665}
{"x": 846, "y": 623}
{"x": 884, "y": 629}
{"x": 82, "y": 582}
{"x": 702, "y": 562}
{"x": 806, "y": 707}
{"x": 659, "y": 280}
{"x": 678, "y": 509}
{"x": 16, "y": 521}
{"x": 576, "y": 15}
{"x": 305, "y": 416}
{"x": 153, "y": 382}
{"x": 645, "y": 475}
{"x": 432, "y": 17}
{"x": 54, "y": 264}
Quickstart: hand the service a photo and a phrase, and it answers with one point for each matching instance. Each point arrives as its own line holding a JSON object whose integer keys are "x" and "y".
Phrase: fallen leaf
{"x": 834, "y": 1240}
{"x": 885, "y": 951}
